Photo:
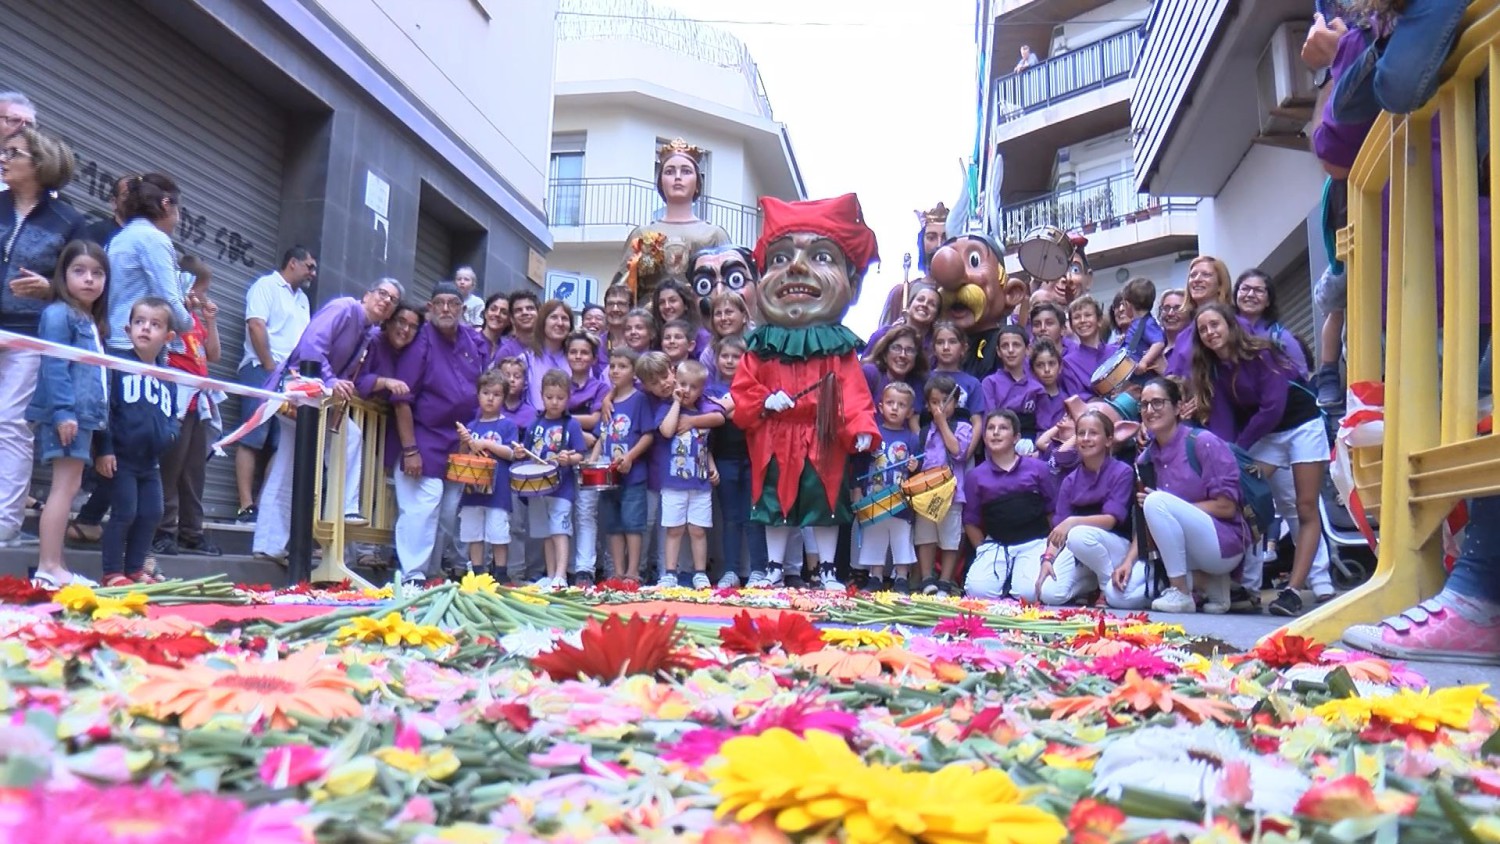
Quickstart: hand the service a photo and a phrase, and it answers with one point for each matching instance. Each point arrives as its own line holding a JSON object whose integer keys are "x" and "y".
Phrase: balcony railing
{"x": 1094, "y": 205}
{"x": 624, "y": 201}
{"x": 1087, "y": 68}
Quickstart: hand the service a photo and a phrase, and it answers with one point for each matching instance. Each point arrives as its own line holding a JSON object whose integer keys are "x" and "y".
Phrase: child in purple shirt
{"x": 1011, "y": 387}
{"x": 624, "y": 438}
{"x": 948, "y": 442}
{"x": 1087, "y": 319}
{"x": 687, "y": 469}
{"x": 484, "y": 517}
{"x": 1007, "y": 513}
{"x": 880, "y": 474}
{"x": 555, "y": 438}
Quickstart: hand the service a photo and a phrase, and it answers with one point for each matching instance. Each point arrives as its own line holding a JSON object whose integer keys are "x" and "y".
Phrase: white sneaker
{"x": 668, "y": 580}
{"x": 774, "y": 577}
{"x": 730, "y": 580}
{"x": 1174, "y": 600}
{"x": 543, "y": 582}
{"x": 758, "y": 580}
{"x": 559, "y": 582}
{"x": 1216, "y": 594}
{"x": 701, "y": 581}
{"x": 829, "y": 581}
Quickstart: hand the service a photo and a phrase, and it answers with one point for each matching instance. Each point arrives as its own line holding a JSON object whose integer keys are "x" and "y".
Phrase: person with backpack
{"x": 1193, "y": 508}
{"x": 1255, "y": 398}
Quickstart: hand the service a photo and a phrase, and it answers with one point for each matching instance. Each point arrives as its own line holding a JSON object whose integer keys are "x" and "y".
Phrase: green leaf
{"x": 1457, "y": 816}
{"x": 1340, "y": 684}
{"x": 1491, "y": 746}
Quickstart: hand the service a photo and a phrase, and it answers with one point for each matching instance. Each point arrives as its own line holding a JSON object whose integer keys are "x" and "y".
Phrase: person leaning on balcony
{"x": 679, "y": 182}
{"x": 336, "y": 338}
{"x": 1028, "y": 59}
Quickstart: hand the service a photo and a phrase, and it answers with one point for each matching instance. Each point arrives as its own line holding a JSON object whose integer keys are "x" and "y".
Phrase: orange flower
{"x": 301, "y": 683}
{"x": 840, "y": 664}
{"x": 1281, "y": 650}
{"x": 1350, "y": 796}
{"x": 616, "y": 648}
{"x": 1143, "y": 696}
{"x": 1092, "y": 822}
{"x": 900, "y": 660}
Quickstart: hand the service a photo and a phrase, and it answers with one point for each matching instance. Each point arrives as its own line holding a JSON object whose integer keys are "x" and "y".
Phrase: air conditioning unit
{"x": 1067, "y": 177}
{"x": 1059, "y": 41}
{"x": 1284, "y": 86}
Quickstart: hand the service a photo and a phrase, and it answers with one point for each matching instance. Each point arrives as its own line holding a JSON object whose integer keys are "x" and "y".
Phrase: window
{"x": 565, "y": 180}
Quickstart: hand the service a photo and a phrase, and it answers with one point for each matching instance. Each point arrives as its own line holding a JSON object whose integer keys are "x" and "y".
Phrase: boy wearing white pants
{"x": 689, "y": 473}
{"x": 1007, "y": 514}
{"x": 883, "y": 472}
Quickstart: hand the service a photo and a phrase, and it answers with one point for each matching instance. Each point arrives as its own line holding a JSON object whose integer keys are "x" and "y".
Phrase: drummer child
{"x": 584, "y": 389}
{"x": 950, "y": 347}
{"x": 1011, "y": 387}
{"x": 947, "y": 442}
{"x": 624, "y": 438}
{"x": 555, "y": 438}
{"x": 1142, "y": 338}
{"x": 688, "y": 472}
{"x": 1086, "y": 317}
{"x": 883, "y": 470}
{"x": 485, "y": 517}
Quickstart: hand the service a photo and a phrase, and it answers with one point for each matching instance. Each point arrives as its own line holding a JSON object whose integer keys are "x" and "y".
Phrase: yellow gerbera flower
{"x": 1425, "y": 709}
{"x": 435, "y": 765}
{"x": 393, "y": 630}
{"x": 807, "y": 783}
{"x": 75, "y": 597}
{"x": 472, "y": 583}
{"x": 857, "y": 637}
{"x": 528, "y": 598}
{"x": 134, "y": 603}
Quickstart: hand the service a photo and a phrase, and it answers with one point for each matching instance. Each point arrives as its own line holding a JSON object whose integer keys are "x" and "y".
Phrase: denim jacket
{"x": 33, "y": 244}
{"x": 67, "y": 391}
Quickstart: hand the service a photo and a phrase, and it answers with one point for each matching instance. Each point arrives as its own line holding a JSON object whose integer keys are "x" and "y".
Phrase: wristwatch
{"x": 1322, "y": 77}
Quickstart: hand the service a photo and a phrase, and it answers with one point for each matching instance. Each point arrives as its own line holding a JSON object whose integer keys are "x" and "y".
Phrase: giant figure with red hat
{"x": 799, "y": 394}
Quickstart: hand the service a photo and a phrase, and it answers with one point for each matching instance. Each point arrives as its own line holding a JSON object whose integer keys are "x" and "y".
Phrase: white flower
{"x": 1189, "y": 762}
{"x": 529, "y": 641}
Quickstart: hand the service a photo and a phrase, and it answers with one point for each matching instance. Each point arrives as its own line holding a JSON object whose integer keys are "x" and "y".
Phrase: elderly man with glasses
{"x": 16, "y": 113}
{"x": 336, "y": 339}
{"x": 440, "y": 369}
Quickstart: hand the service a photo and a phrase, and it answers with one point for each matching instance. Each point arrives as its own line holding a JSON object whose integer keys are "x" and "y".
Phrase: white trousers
{"x": 586, "y": 530}
{"x": 994, "y": 564}
{"x": 18, "y": 371}
{"x": 421, "y": 505}
{"x": 1185, "y": 536}
{"x": 273, "y": 525}
{"x": 778, "y": 540}
{"x": 890, "y": 534}
{"x": 1091, "y": 556}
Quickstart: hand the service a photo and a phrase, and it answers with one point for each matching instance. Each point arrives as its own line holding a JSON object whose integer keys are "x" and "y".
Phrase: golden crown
{"x": 937, "y": 214}
{"x": 678, "y": 147}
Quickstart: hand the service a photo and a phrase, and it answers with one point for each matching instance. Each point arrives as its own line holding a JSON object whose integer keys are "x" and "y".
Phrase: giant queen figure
{"x": 663, "y": 249}
{"x": 799, "y": 394}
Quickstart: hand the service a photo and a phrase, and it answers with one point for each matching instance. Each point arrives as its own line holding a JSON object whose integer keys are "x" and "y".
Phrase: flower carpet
{"x": 470, "y": 712}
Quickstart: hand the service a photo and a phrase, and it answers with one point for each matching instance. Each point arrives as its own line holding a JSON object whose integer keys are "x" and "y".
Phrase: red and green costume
{"x": 801, "y": 479}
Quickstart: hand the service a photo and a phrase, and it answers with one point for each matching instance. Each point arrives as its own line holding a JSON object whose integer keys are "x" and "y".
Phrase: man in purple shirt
{"x": 440, "y": 369}
{"x": 336, "y": 339}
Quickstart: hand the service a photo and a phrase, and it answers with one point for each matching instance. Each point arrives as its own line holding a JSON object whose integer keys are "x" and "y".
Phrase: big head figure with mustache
{"x": 799, "y": 393}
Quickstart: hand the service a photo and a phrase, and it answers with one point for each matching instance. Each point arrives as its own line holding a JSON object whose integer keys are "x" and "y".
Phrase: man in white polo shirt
{"x": 276, "y": 312}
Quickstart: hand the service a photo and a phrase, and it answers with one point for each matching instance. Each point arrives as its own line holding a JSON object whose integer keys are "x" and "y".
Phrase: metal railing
{"x": 1099, "y": 204}
{"x": 1087, "y": 68}
{"x": 626, "y": 201}
{"x": 1431, "y": 458}
{"x": 585, "y": 20}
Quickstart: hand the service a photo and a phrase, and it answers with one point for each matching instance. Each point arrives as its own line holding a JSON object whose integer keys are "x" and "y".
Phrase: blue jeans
{"x": 137, "y": 508}
{"x": 734, "y": 500}
{"x": 1400, "y": 72}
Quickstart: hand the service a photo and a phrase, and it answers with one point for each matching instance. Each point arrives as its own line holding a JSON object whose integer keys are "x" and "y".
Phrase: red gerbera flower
{"x": 1283, "y": 651}
{"x": 16, "y": 590}
{"x": 616, "y": 648}
{"x": 166, "y": 649}
{"x": 788, "y": 631}
{"x": 620, "y": 584}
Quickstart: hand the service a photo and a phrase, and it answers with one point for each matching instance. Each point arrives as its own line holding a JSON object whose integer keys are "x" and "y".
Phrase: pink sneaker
{"x": 1432, "y": 631}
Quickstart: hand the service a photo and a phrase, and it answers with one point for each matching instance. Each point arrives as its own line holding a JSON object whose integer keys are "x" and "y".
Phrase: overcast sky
{"x": 880, "y": 103}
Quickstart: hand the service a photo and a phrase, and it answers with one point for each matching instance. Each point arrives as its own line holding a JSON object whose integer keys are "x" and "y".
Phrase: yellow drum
{"x": 474, "y": 471}
{"x": 534, "y": 480}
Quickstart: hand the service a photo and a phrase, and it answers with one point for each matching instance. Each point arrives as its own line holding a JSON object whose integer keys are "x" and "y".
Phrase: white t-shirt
{"x": 285, "y": 311}
{"x": 474, "y": 311}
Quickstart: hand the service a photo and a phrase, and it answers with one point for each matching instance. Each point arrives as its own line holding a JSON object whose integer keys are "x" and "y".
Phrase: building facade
{"x": 392, "y": 138}
{"x": 1058, "y": 139}
{"x": 630, "y": 77}
{"x": 1221, "y": 111}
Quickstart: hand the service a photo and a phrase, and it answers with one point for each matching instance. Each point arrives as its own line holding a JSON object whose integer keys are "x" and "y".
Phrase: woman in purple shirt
{"x": 554, "y": 321}
{"x": 670, "y": 301}
{"x": 921, "y": 314}
{"x": 1255, "y": 305}
{"x": 1007, "y": 514}
{"x": 1256, "y": 400}
{"x": 1194, "y": 516}
{"x": 899, "y": 357}
{"x": 1207, "y": 282}
{"x": 1091, "y": 525}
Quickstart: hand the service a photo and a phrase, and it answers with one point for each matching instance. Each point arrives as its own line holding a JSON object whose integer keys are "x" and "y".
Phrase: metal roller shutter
{"x": 131, "y": 95}
{"x": 1294, "y": 300}
{"x": 434, "y": 257}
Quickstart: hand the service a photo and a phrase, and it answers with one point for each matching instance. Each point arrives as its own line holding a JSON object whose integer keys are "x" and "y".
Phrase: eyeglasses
{"x": 11, "y": 120}
{"x": 1197, "y": 275}
{"x": 447, "y": 303}
{"x": 406, "y": 324}
{"x": 902, "y": 350}
{"x": 1254, "y": 291}
{"x": 312, "y": 266}
{"x": 10, "y": 153}
{"x": 1171, "y": 309}
{"x": 384, "y": 295}
{"x": 1154, "y": 404}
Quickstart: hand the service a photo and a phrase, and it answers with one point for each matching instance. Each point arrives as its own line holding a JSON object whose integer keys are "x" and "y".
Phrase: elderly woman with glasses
{"x": 34, "y": 228}
{"x": 337, "y": 340}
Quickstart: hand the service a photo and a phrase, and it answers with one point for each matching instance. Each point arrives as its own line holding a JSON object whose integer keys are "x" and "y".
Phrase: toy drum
{"x": 1111, "y": 375}
{"x": 1045, "y": 252}
{"x": 926, "y": 480}
{"x": 598, "y": 475}
{"x": 475, "y": 472}
{"x": 534, "y": 480}
{"x": 879, "y": 505}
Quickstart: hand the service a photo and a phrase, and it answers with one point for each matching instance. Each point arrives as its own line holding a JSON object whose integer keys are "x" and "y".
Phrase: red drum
{"x": 599, "y": 475}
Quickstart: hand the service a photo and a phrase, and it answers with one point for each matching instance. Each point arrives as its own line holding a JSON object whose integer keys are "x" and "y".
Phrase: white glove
{"x": 862, "y": 442}
{"x": 1025, "y": 448}
{"x": 778, "y": 401}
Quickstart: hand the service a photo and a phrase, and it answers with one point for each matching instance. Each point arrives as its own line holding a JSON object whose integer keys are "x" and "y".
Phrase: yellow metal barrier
{"x": 376, "y": 497}
{"x": 1432, "y": 457}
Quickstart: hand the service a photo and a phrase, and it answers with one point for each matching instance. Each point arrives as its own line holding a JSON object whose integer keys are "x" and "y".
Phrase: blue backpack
{"x": 1259, "y": 508}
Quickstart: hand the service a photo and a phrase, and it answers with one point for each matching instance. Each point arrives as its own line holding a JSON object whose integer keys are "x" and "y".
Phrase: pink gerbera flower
{"x": 144, "y": 815}
{"x": 797, "y": 717}
{"x": 963, "y": 626}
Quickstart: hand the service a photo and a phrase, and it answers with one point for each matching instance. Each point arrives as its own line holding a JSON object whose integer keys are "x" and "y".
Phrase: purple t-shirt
{"x": 549, "y": 437}
{"x": 584, "y": 398}
{"x": 1003, "y": 392}
{"x": 970, "y": 391}
{"x": 878, "y": 381}
{"x": 1105, "y": 492}
{"x": 537, "y": 365}
{"x": 884, "y": 468}
{"x": 628, "y": 421}
{"x": 987, "y": 482}
{"x": 1334, "y": 142}
{"x": 522, "y": 414}
{"x": 1141, "y": 335}
{"x": 441, "y": 374}
{"x": 1256, "y": 397}
{"x": 682, "y": 461}
{"x": 502, "y": 431}
{"x": 1078, "y": 367}
{"x": 935, "y": 453}
{"x": 1049, "y": 408}
{"x": 1218, "y": 475}
{"x": 1282, "y": 338}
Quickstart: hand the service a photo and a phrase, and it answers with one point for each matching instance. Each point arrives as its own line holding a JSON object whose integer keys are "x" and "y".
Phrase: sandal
{"x": 117, "y": 580}
{"x": 84, "y": 534}
{"x": 150, "y": 573}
